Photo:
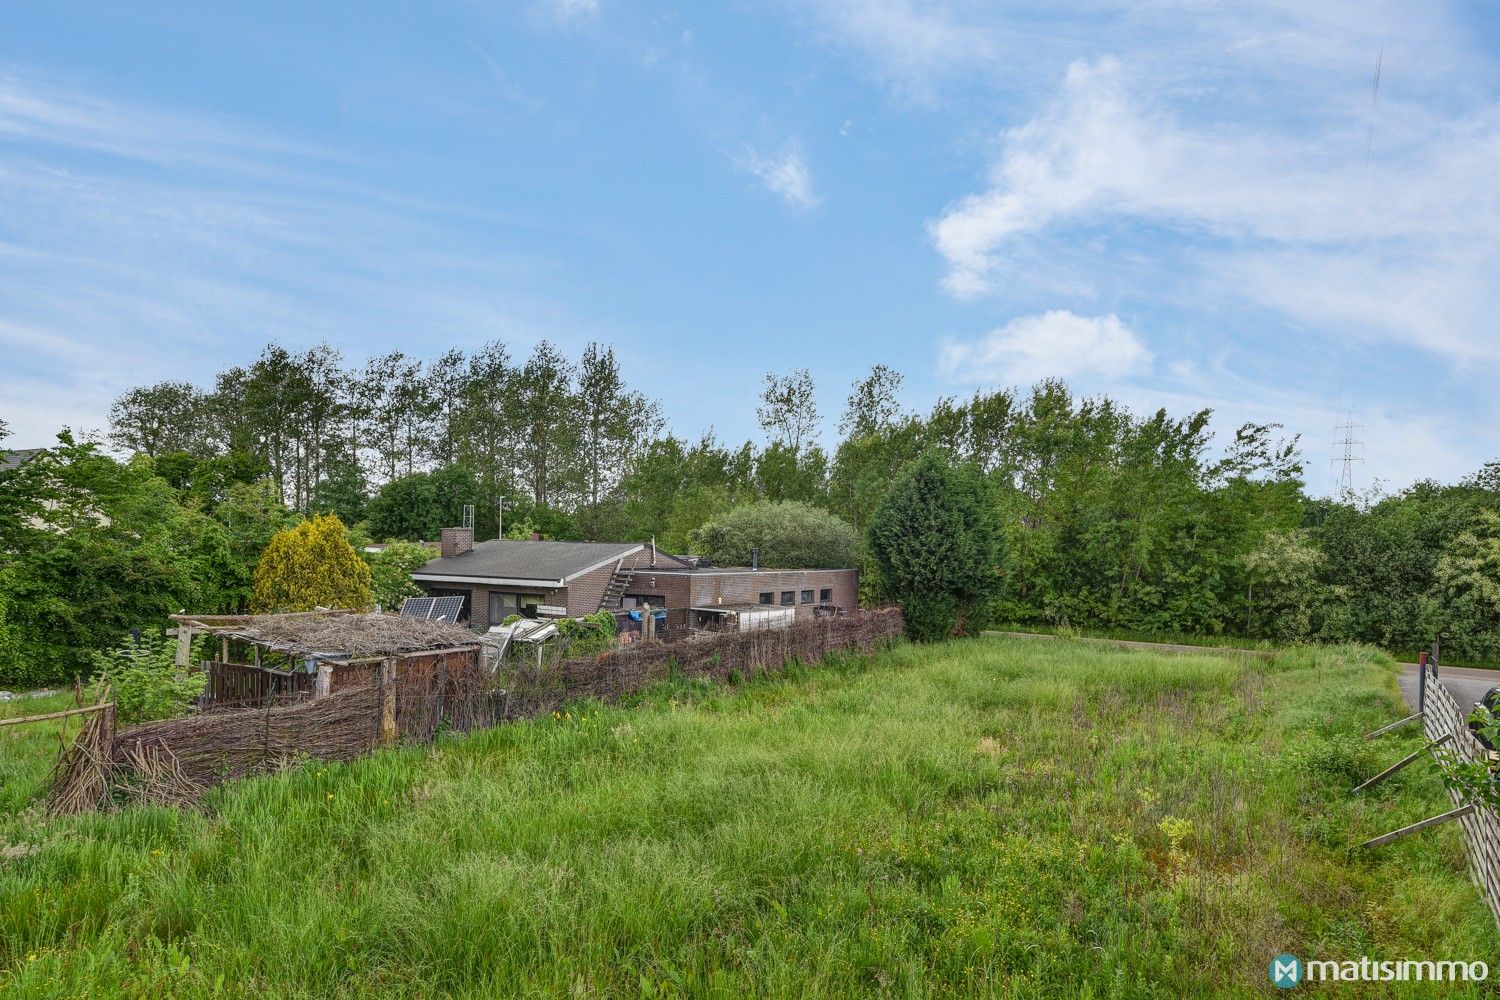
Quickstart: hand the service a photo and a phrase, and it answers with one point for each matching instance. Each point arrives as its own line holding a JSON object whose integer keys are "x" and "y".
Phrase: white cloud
{"x": 1055, "y": 344}
{"x": 911, "y": 43}
{"x": 785, "y": 175}
{"x": 1297, "y": 223}
{"x": 571, "y": 9}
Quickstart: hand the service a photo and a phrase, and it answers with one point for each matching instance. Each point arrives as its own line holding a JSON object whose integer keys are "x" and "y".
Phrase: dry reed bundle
{"x": 154, "y": 777}
{"x": 339, "y": 635}
{"x": 215, "y": 747}
{"x": 83, "y": 772}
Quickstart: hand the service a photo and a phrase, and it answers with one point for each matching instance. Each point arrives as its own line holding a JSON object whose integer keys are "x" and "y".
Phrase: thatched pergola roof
{"x": 335, "y": 635}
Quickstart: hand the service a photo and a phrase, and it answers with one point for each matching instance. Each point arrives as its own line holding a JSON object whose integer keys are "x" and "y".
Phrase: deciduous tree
{"x": 789, "y": 535}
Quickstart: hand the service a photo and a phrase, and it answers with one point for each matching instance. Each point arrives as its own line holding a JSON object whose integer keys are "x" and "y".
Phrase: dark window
{"x": 788, "y": 597}
{"x": 657, "y": 601}
{"x": 807, "y": 597}
{"x": 766, "y": 597}
{"x": 825, "y": 595}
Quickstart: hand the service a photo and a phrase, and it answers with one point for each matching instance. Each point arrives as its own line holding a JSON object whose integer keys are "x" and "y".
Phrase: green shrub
{"x": 593, "y": 633}
{"x": 145, "y": 680}
{"x": 789, "y": 534}
{"x": 1339, "y": 757}
{"x": 930, "y": 617}
{"x": 937, "y": 541}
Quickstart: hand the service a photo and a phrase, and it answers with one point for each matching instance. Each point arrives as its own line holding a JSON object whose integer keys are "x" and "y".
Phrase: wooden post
{"x": 223, "y": 649}
{"x": 324, "y": 682}
{"x": 1452, "y": 814}
{"x": 1393, "y": 726}
{"x": 1422, "y": 683}
{"x": 388, "y": 733}
{"x": 184, "y": 644}
{"x": 1403, "y": 762}
{"x": 57, "y": 715}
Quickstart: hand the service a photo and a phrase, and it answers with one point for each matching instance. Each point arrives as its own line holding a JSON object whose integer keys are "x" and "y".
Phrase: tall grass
{"x": 985, "y": 817}
{"x": 28, "y": 751}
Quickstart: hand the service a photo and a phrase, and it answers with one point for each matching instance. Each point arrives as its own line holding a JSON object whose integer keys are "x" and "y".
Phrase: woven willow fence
{"x": 175, "y": 761}
{"x": 716, "y": 655}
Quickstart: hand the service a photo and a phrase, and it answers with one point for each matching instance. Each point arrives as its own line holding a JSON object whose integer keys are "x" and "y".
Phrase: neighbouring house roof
{"x": 744, "y": 570}
{"x": 335, "y": 634}
{"x": 12, "y": 460}
{"x": 664, "y": 560}
{"x": 506, "y": 561}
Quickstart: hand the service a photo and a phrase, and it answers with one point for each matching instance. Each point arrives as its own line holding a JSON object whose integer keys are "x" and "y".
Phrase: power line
{"x": 1374, "y": 96}
{"x": 1348, "y": 457}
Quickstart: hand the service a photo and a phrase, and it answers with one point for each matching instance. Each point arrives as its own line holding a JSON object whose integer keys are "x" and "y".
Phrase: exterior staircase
{"x": 615, "y": 589}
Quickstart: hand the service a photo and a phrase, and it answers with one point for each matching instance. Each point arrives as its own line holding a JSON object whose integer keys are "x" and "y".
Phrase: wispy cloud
{"x": 573, "y": 10}
{"x": 1297, "y": 223}
{"x": 1056, "y": 344}
{"x": 912, "y": 44}
{"x": 50, "y": 115}
{"x": 229, "y": 239}
{"x": 784, "y": 174}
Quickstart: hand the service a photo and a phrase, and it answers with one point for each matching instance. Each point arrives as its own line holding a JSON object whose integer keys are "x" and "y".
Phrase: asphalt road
{"x": 1466, "y": 685}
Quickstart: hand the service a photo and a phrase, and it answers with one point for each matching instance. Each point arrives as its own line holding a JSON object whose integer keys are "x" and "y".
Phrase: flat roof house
{"x": 503, "y": 577}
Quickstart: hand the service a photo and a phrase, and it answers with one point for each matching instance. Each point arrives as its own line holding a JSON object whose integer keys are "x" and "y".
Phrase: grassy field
{"x": 987, "y": 817}
{"x": 1230, "y": 641}
{"x": 27, "y": 752}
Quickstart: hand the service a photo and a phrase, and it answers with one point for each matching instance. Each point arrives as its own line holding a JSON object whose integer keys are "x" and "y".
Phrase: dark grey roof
{"x": 507, "y": 559}
{"x": 10, "y": 460}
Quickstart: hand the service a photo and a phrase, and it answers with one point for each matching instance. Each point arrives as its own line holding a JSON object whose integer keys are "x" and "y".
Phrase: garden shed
{"x": 289, "y": 657}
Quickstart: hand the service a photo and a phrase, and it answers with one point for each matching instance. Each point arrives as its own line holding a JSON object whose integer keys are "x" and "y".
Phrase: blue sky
{"x": 1177, "y": 203}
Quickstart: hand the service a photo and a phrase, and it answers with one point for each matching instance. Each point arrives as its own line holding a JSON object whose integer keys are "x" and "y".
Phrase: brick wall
{"x": 1481, "y": 827}
{"x": 677, "y": 588}
{"x": 746, "y": 587}
{"x": 584, "y": 592}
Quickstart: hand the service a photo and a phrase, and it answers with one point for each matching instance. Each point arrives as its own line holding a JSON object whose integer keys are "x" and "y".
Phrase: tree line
{"x": 1105, "y": 518}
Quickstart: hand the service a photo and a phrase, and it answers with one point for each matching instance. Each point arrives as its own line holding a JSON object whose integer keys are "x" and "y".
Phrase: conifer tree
{"x": 311, "y": 565}
{"x": 938, "y": 545}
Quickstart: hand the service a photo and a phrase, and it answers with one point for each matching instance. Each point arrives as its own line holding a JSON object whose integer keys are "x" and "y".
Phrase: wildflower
{"x": 330, "y": 796}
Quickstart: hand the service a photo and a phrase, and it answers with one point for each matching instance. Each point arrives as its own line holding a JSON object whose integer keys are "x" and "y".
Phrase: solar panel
{"x": 417, "y": 607}
{"x": 447, "y": 608}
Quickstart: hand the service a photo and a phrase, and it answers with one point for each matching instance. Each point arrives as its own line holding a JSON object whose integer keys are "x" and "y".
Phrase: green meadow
{"x": 978, "y": 818}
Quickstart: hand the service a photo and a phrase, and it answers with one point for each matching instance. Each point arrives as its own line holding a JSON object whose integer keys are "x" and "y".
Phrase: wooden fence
{"x": 717, "y": 655}
{"x": 243, "y": 685}
{"x": 175, "y": 761}
{"x": 1444, "y": 717}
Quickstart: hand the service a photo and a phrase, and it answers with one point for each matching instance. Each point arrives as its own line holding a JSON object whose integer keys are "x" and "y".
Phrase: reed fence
{"x": 717, "y": 655}
{"x": 175, "y": 761}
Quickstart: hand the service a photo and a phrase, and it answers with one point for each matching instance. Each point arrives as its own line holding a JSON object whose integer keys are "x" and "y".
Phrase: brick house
{"x": 535, "y": 578}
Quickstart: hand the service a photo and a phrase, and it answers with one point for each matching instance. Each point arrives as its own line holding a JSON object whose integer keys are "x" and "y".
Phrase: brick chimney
{"x": 457, "y": 541}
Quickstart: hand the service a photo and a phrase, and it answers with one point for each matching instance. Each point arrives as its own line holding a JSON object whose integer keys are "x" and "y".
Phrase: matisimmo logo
{"x": 1287, "y": 971}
